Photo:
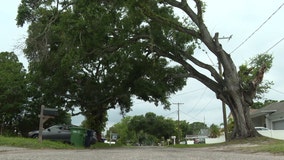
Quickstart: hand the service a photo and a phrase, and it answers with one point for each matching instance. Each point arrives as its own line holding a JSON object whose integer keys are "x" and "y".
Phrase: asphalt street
{"x": 132, "y": 153}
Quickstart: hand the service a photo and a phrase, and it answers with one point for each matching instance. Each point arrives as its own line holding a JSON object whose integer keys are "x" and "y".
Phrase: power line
{"x": 191, "y": 117}
{"x": 277, "y": 91}
{"x": 274, "y": 45}
{"x": 201, "y": 96}
{"x": 258, "y": 28}
{"x": 184, "y": 93}
{"x": 190, "y": 92}
{"x": 204, "y": 107}
{"x": 166, "y": 115}
{"x": 210, "y": 60}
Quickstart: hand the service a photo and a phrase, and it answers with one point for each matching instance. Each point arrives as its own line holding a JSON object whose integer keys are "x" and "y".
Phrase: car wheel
{"x": 35, "y": 136}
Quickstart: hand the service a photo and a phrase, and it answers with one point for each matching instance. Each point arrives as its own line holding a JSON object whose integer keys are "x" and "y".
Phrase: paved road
{"x": 135, "y": 153}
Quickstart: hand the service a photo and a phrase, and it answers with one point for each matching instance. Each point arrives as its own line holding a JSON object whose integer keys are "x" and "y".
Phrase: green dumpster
{"x": 78, "y": 135}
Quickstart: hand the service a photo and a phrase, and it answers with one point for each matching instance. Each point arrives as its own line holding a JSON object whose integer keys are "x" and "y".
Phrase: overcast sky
{"x": 239, "y": 18}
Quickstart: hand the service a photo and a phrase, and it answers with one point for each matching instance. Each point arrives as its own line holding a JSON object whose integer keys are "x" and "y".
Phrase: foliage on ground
{"x": 32, "y": 143}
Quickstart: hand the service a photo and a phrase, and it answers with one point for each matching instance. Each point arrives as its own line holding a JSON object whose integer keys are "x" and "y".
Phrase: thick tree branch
{"x": 213, "y": 72}
{"x": 193, "y": 73}
{"x": 183, "y": 5}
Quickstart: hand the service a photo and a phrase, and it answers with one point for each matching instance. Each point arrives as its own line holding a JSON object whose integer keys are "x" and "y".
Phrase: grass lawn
{"x": 262, "y": 144}
{"x": 32, "y": 143}
{"x": 251, "y": 145}
{"x": 46, "y": 144}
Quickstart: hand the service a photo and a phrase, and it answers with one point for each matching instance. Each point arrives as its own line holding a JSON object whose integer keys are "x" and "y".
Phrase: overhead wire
{"x": 277, "y": 91}
{"x": 192, "y": 117}
{"x": 205, "y": 106}
{"x": 190, "y": 92}
{"x": 258, "y": 28}
{"x": 198, "y": 100}
{"x": 274, "y": 45}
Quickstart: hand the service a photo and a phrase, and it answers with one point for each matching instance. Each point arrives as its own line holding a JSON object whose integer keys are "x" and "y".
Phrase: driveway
{"x": 133, "y": 153}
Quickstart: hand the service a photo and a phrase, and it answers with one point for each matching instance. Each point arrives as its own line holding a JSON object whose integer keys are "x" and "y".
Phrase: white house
{"x": 270, "y": 116}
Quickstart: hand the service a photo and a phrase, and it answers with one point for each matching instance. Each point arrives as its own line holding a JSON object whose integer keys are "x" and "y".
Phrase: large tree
{"x": 149, "y": 28}
{"x": 78, "y": 58}
{"x": 170, "y": 38}
{"x": 12, "y": 91}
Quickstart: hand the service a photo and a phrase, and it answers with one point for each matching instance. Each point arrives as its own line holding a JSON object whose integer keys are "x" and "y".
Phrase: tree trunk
{"x": 235, "y": 97}
{"x": 96, "y": 119}
{"x": 243, "y": 126}
{"x": 231, "y": 91}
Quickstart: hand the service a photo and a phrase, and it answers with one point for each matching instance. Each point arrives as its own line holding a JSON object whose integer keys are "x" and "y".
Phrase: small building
{"x": 270, "y": 116}
{"x": 114, "y": 136}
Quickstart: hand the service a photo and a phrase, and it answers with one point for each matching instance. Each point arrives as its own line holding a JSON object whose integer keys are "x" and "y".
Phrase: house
{"x": 270, "y": 116}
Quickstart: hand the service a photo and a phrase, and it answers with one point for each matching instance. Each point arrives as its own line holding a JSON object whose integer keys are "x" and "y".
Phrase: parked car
{"x": 56, "y": 133}
{"x": 61, "y": 133}
{"x": 261, "y": 128}
{"x": 199, "y": 140}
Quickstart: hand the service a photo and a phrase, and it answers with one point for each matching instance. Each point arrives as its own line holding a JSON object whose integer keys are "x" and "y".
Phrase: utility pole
{"x": 178, "y": 104}
{"x": 223, "y": 104}
{"x": 224, "y": 110}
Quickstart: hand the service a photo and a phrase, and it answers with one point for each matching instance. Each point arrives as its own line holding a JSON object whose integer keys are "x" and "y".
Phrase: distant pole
{"x": 110, "y": 137}
{"x": 178, "y": 104}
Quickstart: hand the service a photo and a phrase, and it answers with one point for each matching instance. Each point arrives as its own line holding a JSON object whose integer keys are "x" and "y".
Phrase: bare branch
{"x": 183, "y": 5}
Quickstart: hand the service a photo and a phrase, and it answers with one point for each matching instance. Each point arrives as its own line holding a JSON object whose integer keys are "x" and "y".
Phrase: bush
{"x": 214, "y": 131}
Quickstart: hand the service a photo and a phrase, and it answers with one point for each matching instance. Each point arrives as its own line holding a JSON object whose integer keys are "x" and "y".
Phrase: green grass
{"x": 259, "y": 144}
{"x": 250, "y": 145}
{"x": 32, "y": 143}
{"x": 268, "y": 145}
{"x": 275, "y": 148}
{"x": 46, "y": 144}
